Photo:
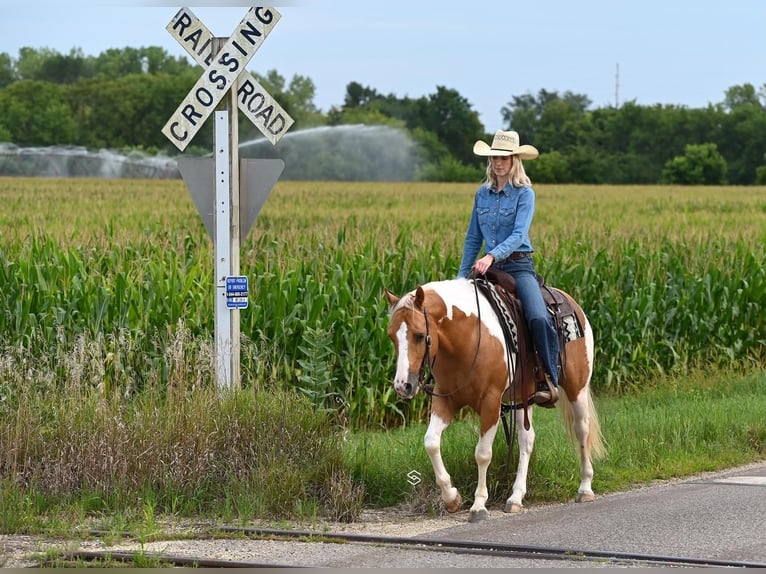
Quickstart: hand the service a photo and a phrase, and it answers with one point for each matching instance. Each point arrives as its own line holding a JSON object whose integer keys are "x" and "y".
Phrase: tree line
{"x": 121, "y": 98}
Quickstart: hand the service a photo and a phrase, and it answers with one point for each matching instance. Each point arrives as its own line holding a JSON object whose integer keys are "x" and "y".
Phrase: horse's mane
{"x": 407, "y": 301}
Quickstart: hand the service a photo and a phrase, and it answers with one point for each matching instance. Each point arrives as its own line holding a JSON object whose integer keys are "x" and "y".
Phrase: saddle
{"x": 499, "y": 288}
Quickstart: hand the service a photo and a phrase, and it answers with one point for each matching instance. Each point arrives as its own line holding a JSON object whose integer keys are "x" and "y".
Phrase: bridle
{"x": 426, "y": 374}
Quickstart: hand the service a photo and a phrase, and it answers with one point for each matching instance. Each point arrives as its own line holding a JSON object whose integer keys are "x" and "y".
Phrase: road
{"x": 718, "y": 516}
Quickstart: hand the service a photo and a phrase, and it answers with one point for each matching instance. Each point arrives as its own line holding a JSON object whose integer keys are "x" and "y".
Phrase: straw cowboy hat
{"x": 505, "y": 143}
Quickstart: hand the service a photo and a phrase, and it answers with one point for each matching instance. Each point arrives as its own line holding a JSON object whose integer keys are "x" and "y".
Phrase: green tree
{"x": 65, "y": 69}
{"x": 700, "y": 165}
{"x": 36, "y": 113}
{"x": 358, "y": 96}
{"x": 7, "y": 72}
{"x": 744, "y": 95}
{"x": 29, "y": 65}
{"x": 130, "y": 110}
{"x": 550, "y": 167}
{"x": 525, "y": 113}
{"x": 297, "y": 97}
{"x": 742, "y": 136}
{"x": 449, "y": 115}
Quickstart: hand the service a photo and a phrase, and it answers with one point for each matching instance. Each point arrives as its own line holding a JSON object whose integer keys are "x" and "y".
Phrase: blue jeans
{"x": 538, "y": 319}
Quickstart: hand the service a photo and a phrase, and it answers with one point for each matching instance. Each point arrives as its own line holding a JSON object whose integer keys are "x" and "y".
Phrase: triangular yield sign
{"x": 258, "y": 177}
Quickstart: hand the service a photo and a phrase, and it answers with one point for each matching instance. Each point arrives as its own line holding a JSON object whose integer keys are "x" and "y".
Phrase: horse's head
{"x": 411, "y": 332}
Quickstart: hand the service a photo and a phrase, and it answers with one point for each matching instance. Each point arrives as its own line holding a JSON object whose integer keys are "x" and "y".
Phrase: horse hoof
{"x": 585, "y": 497}
{"x": 454, "y": 505}
{"x": 514, "y": 508}
{"x": 478, "y": 515}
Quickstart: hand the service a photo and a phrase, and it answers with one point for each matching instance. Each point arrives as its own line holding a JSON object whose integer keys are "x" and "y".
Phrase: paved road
{"x": 719, "y": 516}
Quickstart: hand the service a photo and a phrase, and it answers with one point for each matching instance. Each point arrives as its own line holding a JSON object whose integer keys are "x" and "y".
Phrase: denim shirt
{"x": 500, "y": 220}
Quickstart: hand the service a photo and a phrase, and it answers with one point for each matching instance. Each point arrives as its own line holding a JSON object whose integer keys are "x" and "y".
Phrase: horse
{"x": 450, "y": 328}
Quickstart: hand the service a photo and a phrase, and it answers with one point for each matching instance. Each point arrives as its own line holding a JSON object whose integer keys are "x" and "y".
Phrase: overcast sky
{"x": 649, "y": 51}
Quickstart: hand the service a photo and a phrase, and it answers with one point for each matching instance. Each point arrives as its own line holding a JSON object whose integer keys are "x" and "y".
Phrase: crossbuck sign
{"x": 215, "y": 184}
{"x": 223, "y": 70}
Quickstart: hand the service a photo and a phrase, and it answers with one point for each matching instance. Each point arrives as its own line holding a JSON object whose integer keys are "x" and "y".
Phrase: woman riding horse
{"x": 502, "y": 214}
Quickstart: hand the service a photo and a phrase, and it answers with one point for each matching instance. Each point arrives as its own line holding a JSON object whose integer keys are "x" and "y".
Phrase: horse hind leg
{"x": 585, "y": 430}
{"x": 450, "y": 495}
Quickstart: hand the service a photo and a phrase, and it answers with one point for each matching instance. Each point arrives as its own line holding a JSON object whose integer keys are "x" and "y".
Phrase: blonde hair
{"x": 518, "y": 176}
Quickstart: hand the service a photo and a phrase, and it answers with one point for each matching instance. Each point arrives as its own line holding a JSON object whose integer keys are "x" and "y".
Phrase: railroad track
{"x": 443, "y": 545}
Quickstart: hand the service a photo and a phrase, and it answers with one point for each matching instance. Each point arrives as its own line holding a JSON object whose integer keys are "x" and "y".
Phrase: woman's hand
{"x": 484, "y": 263}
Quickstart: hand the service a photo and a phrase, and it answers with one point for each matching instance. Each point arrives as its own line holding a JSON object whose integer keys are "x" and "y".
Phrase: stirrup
{"x": 546, "y": 395}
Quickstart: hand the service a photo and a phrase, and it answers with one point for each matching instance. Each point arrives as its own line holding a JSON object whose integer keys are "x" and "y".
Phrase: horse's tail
{"x": 595, "y": 438}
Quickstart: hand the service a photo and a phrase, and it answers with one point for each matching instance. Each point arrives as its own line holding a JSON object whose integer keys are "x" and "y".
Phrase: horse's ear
{"x": 420, "y": 296}
{"x": 390, "y": 297}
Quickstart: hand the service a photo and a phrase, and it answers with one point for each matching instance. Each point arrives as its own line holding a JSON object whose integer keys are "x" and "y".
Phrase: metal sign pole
{"x": 234, "y": 222}
{"x": 223, "y": 343}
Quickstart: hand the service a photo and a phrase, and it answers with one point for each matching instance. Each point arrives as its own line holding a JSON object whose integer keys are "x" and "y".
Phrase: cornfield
{"x": 121, "y": 272}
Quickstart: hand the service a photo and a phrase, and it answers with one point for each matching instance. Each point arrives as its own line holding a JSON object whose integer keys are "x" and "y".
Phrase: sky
{"x": 669, "y": 52}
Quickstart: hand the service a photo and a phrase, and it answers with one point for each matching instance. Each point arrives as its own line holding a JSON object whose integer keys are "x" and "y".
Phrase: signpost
{"x": 215, "y": 183}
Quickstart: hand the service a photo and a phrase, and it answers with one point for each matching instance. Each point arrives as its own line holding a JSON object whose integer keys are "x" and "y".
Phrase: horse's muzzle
{"x": 406, "y": 389}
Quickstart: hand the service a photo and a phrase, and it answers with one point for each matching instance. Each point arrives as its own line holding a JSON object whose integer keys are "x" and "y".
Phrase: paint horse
{"x": 450, "y": 328}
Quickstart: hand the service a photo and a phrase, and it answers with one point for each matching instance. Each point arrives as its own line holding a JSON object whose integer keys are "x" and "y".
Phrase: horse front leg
{"x": 450, "y": 495}
{"x": 483, "y": 455}
{"x": 526, "y": 439}
{"x": 581, "y": 413}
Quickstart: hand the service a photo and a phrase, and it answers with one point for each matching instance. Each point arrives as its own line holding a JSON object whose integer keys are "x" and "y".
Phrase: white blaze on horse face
{"x": 402, "y": 375}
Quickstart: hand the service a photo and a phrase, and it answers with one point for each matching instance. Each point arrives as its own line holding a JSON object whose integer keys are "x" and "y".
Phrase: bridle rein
{"x": 426, "y": 371}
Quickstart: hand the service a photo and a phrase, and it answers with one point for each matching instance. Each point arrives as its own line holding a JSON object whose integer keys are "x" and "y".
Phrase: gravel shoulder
{"x": 22, "y": 551}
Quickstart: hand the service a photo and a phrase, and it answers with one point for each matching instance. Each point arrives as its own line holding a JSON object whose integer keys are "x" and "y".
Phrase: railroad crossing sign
{"x": 254, "y": 101}
{"x": 215, "y": 183}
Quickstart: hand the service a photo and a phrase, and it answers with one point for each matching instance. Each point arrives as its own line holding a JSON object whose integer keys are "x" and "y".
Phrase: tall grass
{"x": 182, "y": 449}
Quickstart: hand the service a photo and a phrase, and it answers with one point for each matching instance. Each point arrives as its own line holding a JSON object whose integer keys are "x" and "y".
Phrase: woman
{"x": 502, "y": 214}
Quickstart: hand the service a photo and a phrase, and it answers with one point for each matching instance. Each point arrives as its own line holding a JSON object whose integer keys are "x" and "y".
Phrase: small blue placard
{"x": 236, "y": 292}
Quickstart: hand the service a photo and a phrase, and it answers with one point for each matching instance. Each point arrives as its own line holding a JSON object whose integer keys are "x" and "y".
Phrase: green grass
{"x": 671, "y": 428}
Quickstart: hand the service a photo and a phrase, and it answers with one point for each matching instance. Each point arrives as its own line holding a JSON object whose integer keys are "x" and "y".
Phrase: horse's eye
{"x": 420, "y": 337}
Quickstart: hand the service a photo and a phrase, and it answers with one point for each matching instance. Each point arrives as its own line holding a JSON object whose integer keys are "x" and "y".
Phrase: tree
{"x": 742, "y": 134}
{"x": 7, "y": 73}
{"x": 358, "y": 96}
{"x": 129, "y": 110}
{"x": 29, "y": 64}
{"x": 61, "y": 69}
{"x": 36, "y": 114}
{"x": 550, "y": 167}
{"x": 449, "y": 115}
{"x": 297, "y": 98}
{"x": 700, "y": 165}
{"x": 743, "y": 95}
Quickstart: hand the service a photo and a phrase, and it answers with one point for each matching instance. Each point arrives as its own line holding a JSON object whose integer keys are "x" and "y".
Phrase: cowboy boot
{"x": 546, "y": 394}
